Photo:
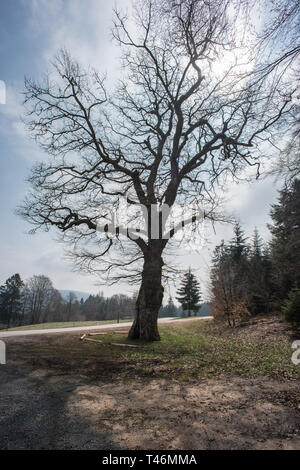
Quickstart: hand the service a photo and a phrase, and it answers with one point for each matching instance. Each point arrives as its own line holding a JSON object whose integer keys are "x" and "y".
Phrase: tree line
{"x": 251, "y": 277}
{"x": 38, "y": 301}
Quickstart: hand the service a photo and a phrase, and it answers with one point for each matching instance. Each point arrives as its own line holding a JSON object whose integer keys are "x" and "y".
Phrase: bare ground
{"x": 87, "y": 401}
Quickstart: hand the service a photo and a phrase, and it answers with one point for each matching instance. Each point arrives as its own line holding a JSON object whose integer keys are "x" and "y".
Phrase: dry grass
{"x": 50, "y": 325}
{"x": 201, "y": 387}
{"x": 187, "y": 351}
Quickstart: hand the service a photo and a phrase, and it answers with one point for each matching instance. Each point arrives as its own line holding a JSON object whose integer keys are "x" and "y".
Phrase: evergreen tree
{"x": 230, "y": 278}
{"x": 285, "y": 243}
{"x": 189, "y": 293}
{"x": 10, "y": 300}
{"x": 238, "y": 252}
{"x": 81, "y": 308}
{"x": 171, "y": 309}
{"x": 291, "y": 308}
{"x": 256, "y": 247}
{"x": 259, "y": 276}
{"x": 222, "y": 279}
{"x": 238, "y": 245}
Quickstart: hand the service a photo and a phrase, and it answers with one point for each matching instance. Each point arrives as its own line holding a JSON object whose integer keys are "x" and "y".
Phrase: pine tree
{"x": 189, "y": 293}
{"x": 259, "y": 276}
{"x": 238, "y": 244}
{"x": 291, "y": 308}
{"x": 285, "y": 243}
{"x": 238, "y": 252}
{"x": 10, "y": 300}
{"x": 171, "y": 309}
{"x": 257, "y": 246}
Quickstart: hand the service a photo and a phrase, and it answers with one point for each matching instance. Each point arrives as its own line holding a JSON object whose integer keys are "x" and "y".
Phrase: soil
{"x": 89, "y": 402}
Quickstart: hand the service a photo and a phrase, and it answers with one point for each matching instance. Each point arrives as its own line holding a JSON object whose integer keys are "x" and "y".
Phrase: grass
{"x": 159, "y": 394}
{"x": 45, "y": 326}
{"x": 191, "y": 350}
{"x": 187, "y": 351}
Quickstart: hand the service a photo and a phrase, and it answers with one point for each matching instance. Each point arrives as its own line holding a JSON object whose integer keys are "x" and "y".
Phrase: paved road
{"x": 73, "y": 329}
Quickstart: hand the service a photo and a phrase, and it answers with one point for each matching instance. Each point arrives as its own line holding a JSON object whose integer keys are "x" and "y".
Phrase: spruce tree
{"x": 238, "y": 244}
{"x": 189, "y": 293}
{"x": 171, "y": 309}
{"x": 285, "y": 242}
{"x": 10, "y": 300}
{"x": 256, "y": 247}
{"x": 259, "y": 276}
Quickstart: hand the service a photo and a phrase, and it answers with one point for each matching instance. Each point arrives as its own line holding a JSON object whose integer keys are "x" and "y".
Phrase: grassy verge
{"x": 46, "y": 326}
{"x": 187, "y": 351}
{"x": 191, "y": 350}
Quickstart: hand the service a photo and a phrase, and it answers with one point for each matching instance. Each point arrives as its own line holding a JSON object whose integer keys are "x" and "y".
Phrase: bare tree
{"x": 278, "y": 36}
{"x": 39, "y": 298}
{"x": 276, "y": 46}
{"x": 187, "y": 116}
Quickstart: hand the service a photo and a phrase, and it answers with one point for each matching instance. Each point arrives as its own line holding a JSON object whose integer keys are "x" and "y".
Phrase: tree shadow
{"x": 35, "y": 415}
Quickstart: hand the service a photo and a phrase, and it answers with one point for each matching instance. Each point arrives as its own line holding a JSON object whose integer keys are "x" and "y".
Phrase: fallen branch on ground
{"x": 106, "y": 333}
{"x": 124, "y": 345}
{"x": 127, "y": 345}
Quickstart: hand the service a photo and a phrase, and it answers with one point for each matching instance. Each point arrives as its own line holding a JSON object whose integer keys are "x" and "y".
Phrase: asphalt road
{"x": 73, "y": 329}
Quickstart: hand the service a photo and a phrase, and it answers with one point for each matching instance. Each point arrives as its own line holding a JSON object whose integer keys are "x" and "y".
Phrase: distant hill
{"x": 78, "y": 294}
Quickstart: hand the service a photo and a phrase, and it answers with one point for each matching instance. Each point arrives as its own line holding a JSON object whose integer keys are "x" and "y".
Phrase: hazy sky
{"x": 31, "y": 32}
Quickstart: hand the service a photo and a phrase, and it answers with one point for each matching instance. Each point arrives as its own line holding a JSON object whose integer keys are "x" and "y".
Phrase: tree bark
{"x": 149, "y": 300}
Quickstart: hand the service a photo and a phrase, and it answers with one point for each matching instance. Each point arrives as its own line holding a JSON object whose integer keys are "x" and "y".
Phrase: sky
{"x": 31, "y": 33}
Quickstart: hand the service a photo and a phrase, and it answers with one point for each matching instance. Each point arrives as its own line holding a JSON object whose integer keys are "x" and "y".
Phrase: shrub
{"x": 291, "y": 308}
{"x": 234, "y": 313}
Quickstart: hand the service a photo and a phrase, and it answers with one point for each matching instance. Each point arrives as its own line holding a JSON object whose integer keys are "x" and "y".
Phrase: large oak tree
{"x": 187, "y": 114}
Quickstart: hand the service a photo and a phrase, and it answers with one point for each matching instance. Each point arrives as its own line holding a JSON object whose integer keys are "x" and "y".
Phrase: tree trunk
{"x": 149, "y": 301}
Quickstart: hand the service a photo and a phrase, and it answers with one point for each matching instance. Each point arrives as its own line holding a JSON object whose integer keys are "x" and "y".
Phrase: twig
{"x": 124, "y": 345}
{"x": 106, "y": 333}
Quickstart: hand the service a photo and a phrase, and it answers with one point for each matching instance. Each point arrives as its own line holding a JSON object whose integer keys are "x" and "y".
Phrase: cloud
{"x": 14, "y": 134}
{"x": 40, "y": 254}
{"x": 13, "y": 108}
{"x": 83, "y": 28}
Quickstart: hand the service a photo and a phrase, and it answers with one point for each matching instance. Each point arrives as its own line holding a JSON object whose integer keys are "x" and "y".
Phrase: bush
{"x": 235, "y": 313}
{"x": 291, "y": 308}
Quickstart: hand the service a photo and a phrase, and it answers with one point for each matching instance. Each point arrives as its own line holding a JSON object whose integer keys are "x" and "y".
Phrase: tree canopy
{"x": 189, "y": 113}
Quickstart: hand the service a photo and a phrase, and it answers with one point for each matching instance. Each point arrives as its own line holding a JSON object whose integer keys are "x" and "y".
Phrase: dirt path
{"x": 47, "y": 404}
